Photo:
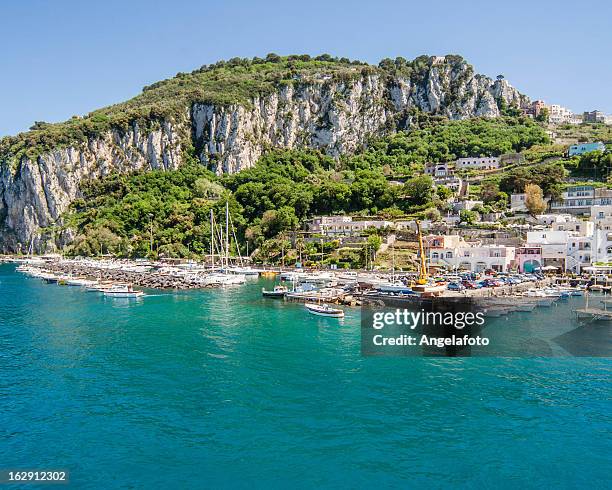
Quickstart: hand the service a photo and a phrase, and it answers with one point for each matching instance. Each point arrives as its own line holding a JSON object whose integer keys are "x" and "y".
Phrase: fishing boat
{"x": 123, "y": 291}
{"x": 324, "y": 310}
{"x": 277, "y": 292}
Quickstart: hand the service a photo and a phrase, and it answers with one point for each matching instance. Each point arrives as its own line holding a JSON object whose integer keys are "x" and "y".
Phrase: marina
{"x": 219, "y": 349}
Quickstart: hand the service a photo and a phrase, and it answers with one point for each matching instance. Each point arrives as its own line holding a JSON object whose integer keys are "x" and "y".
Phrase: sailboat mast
{"x": 227, "y": 233}
{"x": 212, "y": 239}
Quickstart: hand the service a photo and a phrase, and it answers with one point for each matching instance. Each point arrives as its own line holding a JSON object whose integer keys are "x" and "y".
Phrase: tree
{"x": 432, "y": 214}
{"x": 419, "y": 190}
{"x": 469, "y": 217}
{"x": 543, "y": 115}
{"x": 534, "y": 199}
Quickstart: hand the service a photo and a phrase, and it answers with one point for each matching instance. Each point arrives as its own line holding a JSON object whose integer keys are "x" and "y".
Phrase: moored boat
{"x": 277, "y": 292}
{"x": 324, "y": 310}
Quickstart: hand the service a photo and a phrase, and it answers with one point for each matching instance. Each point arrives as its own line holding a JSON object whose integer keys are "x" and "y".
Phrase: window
{"x": 449, "y": 255}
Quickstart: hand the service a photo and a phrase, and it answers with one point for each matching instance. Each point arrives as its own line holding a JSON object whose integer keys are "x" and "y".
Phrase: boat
{"x": 324, "y": 310}
{"x": 244, "y": 270}
{"x": 77, "y": 281}
{"x": 100, "y": 288}
{"x": 277, "y": 292}
{"x": 393, "y": 287}
{"x": 223, "y": 279}
{"x": 122, "y": 291}
{"x": 268, "y": 273}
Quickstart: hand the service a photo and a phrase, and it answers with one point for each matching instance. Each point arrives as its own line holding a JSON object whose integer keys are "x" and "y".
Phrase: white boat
{"x": 245, "y": 271}
{"x": 324, "y": 310}
{"x": 77, "y": 281}
{"x": 393, "y": 287}
{"x": 223, "y": 279}
{"x": 100, "y": 287}
{"x": 290, "y": 276}
{"x": 122, "y": 291}
{"x": 277, "y": 292}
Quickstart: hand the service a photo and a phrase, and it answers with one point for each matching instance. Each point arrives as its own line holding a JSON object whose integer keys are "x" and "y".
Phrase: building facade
{"x": 580, "y": 199}
{"x": 480, "y": 163}
{"x": 439, "y": 169}
{"x": 454, "y": 253}
{"x": 344, "y": 225}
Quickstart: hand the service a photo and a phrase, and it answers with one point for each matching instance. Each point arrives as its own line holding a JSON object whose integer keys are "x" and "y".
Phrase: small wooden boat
{"x": 324, "y": 310}
{"x": 277, "y": 292}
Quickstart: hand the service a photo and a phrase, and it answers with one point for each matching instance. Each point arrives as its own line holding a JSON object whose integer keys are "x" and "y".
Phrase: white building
{"x": 481, "y": 163}
{"x": 579, "y": 199}
{"x": 455, "y": 184}
{"x": 517, "y": 203}
{"x": 454, "y": 253}
{"x": 558, "y": 114}
{"x": 439, "y": 169}
{"x": 466, "y": 204}
{"x": 344, "y": 225}
{"x": 602, "y": 235}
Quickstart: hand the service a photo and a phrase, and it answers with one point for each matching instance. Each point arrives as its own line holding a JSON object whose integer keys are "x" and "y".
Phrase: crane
{"x": 423, "y": 269}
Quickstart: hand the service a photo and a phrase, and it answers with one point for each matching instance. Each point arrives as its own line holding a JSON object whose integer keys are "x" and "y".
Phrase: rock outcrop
{"x": 321, "y": 112}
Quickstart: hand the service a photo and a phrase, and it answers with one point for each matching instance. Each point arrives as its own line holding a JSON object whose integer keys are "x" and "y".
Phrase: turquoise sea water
{"x": 224, "y": 389}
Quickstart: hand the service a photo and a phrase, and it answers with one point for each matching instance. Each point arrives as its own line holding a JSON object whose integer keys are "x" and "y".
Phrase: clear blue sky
{"x": 61, "y": 58}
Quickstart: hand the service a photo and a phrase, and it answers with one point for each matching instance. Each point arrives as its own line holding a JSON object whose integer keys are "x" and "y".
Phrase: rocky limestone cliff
{"x": 38, "y": 191}
{"x": 335, "y": 116}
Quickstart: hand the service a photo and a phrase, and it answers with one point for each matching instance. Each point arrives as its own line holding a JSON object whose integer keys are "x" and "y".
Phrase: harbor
{"x": 500, "y": 297}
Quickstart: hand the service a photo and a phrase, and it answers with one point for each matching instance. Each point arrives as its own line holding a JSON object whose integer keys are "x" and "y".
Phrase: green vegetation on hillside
{"x": 236, "y": 81}
{"x": 439, "y": 141}
{"x": 281, "y": 192}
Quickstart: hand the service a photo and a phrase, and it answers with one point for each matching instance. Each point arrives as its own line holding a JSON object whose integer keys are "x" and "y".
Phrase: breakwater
{"x": 149, "y": 279}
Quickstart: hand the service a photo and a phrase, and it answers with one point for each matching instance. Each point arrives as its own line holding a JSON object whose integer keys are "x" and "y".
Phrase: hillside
{"x": 274, "y": 198}
{"x": 225, "y": 116}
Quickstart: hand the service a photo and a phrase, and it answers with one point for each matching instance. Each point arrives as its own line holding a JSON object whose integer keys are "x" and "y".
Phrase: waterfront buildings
{"x": 544, "y": 248}
{"x": 602, "y": 234}
{"x": 454, "y": 253}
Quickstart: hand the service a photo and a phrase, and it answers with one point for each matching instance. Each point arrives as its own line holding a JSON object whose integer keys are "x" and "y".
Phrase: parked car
{"x": 455, "y": 286}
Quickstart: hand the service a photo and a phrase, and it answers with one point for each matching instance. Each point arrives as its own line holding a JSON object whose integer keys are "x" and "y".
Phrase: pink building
{"x": 529, "y": 258}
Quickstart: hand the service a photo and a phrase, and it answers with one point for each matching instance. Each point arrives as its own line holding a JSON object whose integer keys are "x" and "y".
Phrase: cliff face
{"x": 335, "y": 116}
{"x": 38, "y": 191}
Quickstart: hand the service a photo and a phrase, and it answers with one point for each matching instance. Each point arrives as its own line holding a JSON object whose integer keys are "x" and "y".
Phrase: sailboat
{"x": 224, "y": 276}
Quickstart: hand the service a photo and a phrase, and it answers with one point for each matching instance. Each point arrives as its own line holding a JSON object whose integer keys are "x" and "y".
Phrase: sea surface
{"x": 226, "y": 389}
